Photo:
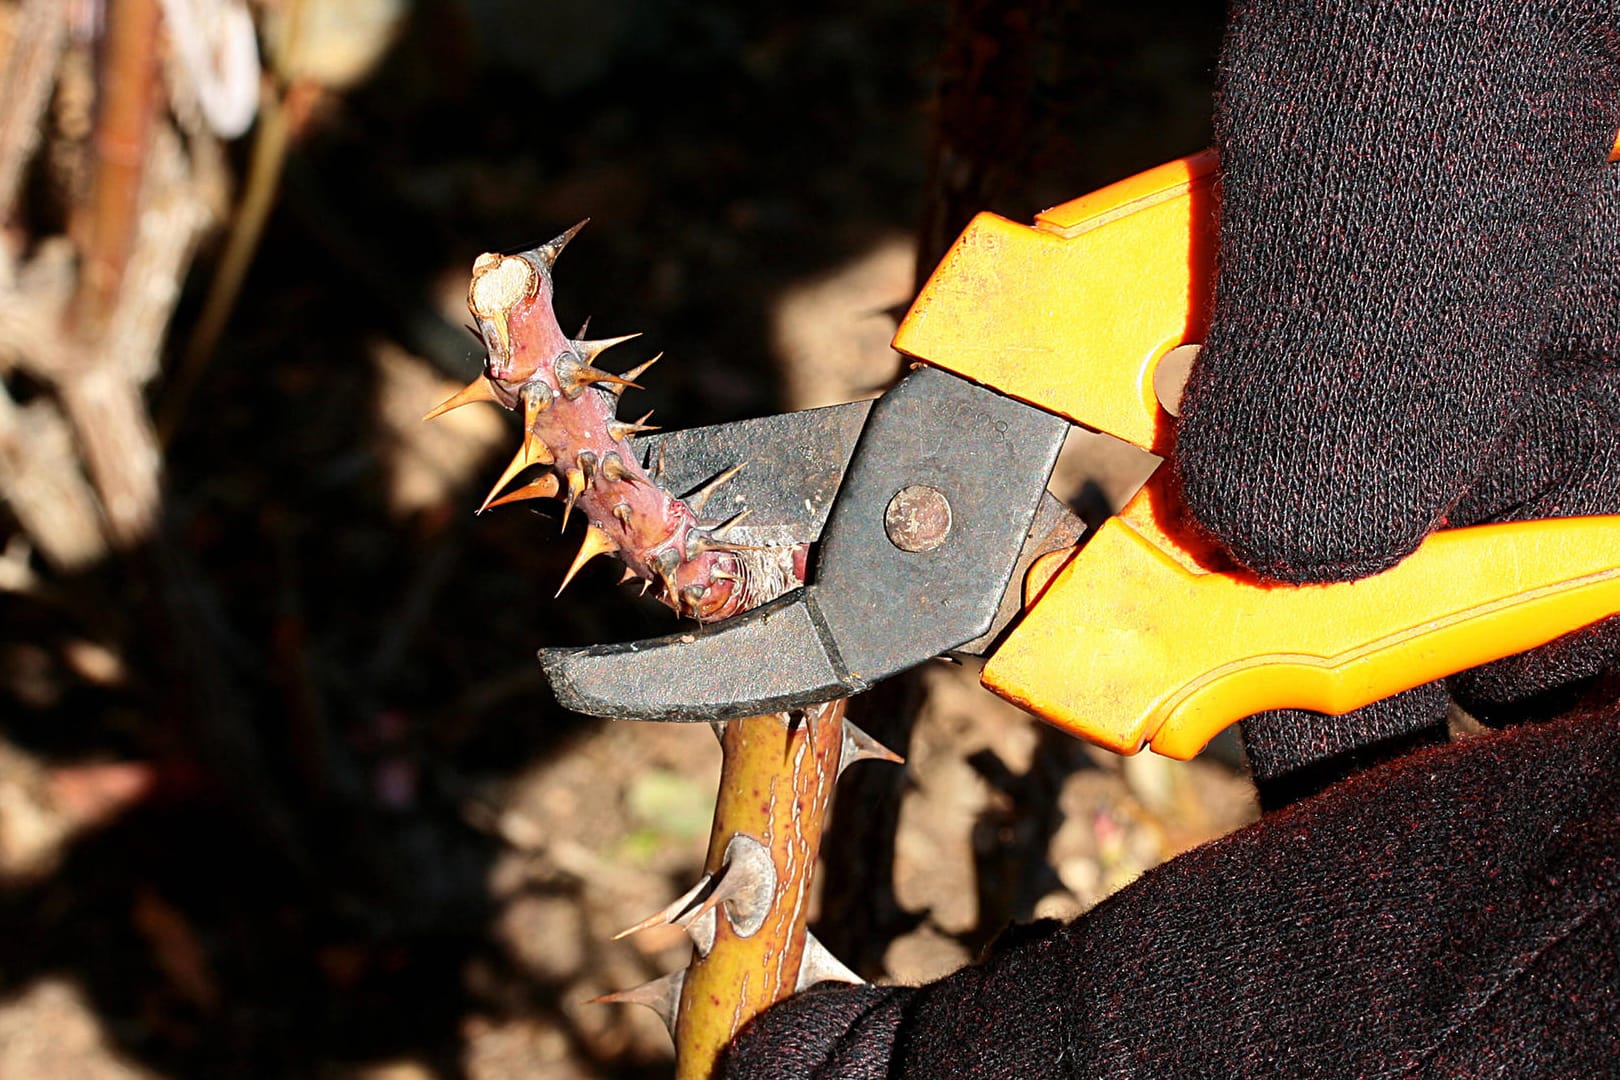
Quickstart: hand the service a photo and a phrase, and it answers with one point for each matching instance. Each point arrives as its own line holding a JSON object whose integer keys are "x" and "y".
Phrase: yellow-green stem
{"x": 775, "y": 787}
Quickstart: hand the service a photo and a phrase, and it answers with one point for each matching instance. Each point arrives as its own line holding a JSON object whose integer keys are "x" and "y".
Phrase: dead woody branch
{"x": 84, "y": 316}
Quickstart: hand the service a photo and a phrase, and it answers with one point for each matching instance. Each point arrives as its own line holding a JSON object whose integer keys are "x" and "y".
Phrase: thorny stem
{"x": 746, "y": 917}
{"x": 775, "y": 786}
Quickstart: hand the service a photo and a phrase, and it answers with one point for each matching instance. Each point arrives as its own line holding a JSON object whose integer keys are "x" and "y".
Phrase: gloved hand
{"x": 1417, "y": 325}
{"x": 1456, "y": 913}
{"x": 1417, "y": 317}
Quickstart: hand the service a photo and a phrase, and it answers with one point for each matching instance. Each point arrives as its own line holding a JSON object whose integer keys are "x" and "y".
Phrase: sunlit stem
{"x": 775, "y": 786}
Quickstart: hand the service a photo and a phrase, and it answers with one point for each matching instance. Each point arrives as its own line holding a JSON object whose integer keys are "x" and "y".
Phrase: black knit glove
{"x": 1456, "y": 913}
{"x": 1417, "y": 316}
{"x": 1416, "y": 326}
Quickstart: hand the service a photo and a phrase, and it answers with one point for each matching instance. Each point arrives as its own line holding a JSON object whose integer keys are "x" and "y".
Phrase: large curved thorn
{"x": 859, "y": 746}
{"x": 548, "y": 252}
{"x": 662, "y": 996}
{"x": 679, "y": 911}
{"x": 477, "y": 390}
{"x": 820, "y": 965}
{"x": 544, "y": 486}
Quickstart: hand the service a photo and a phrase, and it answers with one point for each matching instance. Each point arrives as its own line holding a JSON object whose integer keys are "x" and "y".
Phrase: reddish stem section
{"x": 571, "y": 429}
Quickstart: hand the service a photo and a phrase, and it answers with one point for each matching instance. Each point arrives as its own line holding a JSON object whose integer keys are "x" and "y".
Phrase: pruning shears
{"x": 935, "y": 533}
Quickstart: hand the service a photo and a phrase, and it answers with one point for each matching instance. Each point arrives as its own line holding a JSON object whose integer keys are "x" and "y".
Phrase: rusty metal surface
{"x": 792, "y": 465}
{"x": 1055, "y": 528}
{"x": 777, "y": 656}
{"x": 918, "y": 518}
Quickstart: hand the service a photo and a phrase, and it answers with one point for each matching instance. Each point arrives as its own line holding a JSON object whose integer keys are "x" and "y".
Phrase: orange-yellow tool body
{"x": 1145, "y": 636}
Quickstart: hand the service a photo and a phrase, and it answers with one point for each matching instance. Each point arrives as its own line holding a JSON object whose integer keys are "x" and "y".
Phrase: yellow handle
{"x": 1073, "y": 314}
{"x": 1132, "y": 644}
{"x": 1145, "y": 635}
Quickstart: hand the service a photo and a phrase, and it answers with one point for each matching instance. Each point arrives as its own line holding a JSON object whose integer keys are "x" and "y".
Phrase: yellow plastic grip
{"x": 1073, "y": 314}
{"x": 1145, "y": 636}
{"x": 1131, "y": 645}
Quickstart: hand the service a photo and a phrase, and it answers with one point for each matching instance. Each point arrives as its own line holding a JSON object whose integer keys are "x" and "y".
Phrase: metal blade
{"x": 888, "y": 593}
{"x": 778, "y": 656}
{"x": 1056, "y": 528}
{"x": 793, "y": 464}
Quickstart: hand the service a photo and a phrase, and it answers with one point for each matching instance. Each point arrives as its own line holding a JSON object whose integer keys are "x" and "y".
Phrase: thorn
{"x": 547, "y": 253}
{"x": 633, "y": 374}
{"x": 698, "y": 541}
{"x": 720, "y": 530}
{"x": 662, "y": 996}
{"x": 534, "y": 451}
{"x": 576, "y": 486}
{"x": 590, "y": 350}
{"x": 859, "y": 746}
{"x": 475, "y": 332}
{"x": 746, "y": 885}
{"x": 541, "y": 487}
{"x": 693, "y": 595}
{"x": 646, "y": 583}
{"x": 596, "y": 543}
{"x": 584, "y": 326}
{"x": 629, "y": 575}
{"x": 671, "y": 913}
{"x": 574, "y": 376}
{"x": 477, "y": 390}
{"x": 619, "y": 430}
{"x": 723, "y": 575}
{"x": 618, "y": 383}
{"x": 664, "y": 564}
{"x": 613, "y": 468}
{"x": 587, "y": 465}
{"x": 622, "y": 512}
{"x": 700, "y": 498}
{"x": 658, "y": 470}
{"x": 537, "y": 398}
{"x": 819, "y": 965}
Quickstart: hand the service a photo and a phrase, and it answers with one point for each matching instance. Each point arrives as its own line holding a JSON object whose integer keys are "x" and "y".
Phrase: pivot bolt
{"x": 918, "y": 518}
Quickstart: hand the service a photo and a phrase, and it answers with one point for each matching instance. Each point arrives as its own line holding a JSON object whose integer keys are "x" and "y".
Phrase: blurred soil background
{"x": 281, "y": 791}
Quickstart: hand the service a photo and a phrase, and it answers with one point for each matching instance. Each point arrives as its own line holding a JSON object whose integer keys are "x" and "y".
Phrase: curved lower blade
{"x": 778, "y": 656}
